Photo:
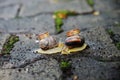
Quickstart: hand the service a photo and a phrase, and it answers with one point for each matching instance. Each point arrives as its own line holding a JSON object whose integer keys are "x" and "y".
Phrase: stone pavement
{"x": 26, "y": 18}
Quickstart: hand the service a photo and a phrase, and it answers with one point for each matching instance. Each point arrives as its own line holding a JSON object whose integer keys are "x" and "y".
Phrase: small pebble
{"x": 96, "y": 13}
{"x": 75, "y": 77}
{"x": 54, "y": 16}
{"x": 37, "y": 41}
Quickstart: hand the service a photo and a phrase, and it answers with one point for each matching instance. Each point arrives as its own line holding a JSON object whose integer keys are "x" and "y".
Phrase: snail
{"x": 47, "y": 41}
{"x": 74, "y": 42}
{"x": 73, "y": 39}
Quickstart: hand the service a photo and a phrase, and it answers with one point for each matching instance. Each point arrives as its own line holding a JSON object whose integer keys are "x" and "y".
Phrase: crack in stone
{"x": 30, "y": 16}
{"x": 29, "y": 61}
{"x": 18, "y": 11}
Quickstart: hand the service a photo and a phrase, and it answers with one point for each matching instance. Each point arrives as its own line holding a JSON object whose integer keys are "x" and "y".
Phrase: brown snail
{"x": 47, "y": 42}
{"x": 73, "y": 39}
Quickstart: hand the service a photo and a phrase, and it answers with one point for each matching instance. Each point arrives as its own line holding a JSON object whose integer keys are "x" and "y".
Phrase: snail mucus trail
{"x": 47, "y": 41}
{"x": 74, "y": 39}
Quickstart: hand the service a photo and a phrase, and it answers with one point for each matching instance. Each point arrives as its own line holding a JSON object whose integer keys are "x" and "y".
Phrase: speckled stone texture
{"x": 40, "y": 70}
{"x": 101, "y": 44}
{"x": 90, "y": 69}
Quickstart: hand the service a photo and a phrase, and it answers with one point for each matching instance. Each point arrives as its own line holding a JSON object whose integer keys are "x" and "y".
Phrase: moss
{"x": 58, "y": 25}
{"x": 9, "y": 44}
{"x": 65, "y": 65}
{"x": 59, "y": 16}
{"x": 90, "y": 2}
{"x": 112, "y": 36}
{"x": 118, "y": 45}
{"x": 110, "y": 32}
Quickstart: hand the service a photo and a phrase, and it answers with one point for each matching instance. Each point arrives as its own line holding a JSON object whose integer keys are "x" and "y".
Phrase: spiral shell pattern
{"x": 48, "y": 43}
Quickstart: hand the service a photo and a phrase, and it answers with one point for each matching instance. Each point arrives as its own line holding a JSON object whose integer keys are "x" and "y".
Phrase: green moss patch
{"x": 65, "y": 65}
{"x": 116, "y": 40}
{"x": 118, "y": 45}
{"x": 110, "y": 32}
{"x": 59, "y": 16}
{"x": 9, "y": 44}
{"x": 90, "y": 3}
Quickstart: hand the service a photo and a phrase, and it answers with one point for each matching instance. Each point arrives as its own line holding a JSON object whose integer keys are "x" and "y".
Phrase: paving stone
{"x": 8, "y": 11}
{"x": 101, "y": 44}
{"x": 90, "y": 69}
{"x": 45, "y": 70}
{"x": 22, "y": 53}
{"x": 14, "y": 75}
{"x": 40, "y": 7}
{"x": 82, "y": 21}
{"x": 37, "y": 24}
{"x": 40, "y": 70}
{"x": 105, "y": 5}
{"x": 33, "y": 7}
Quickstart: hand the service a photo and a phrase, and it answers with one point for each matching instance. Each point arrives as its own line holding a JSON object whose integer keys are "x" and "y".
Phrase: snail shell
{"x": 74, "y": 41}
{"x": 48, "y": 43}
